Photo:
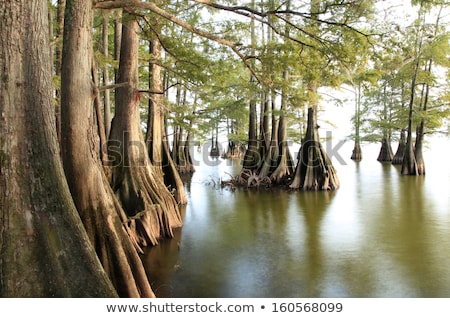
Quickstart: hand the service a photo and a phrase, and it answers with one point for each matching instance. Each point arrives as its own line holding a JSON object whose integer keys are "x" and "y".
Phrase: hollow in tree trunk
{"x": 314, "y": 170}
{"x": 151, "y": 209}
{"x": 101, "y": 213}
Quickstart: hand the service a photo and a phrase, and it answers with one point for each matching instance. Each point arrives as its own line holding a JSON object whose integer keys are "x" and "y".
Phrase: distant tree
{"x": 431, "y": 49}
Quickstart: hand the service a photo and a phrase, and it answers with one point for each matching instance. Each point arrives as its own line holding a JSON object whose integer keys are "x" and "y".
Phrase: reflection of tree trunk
{"x": 100, "y": 212}
{"x": 314, "y": 169}
{"x": 150, "y": 207}
{"x": 45, "y": 251}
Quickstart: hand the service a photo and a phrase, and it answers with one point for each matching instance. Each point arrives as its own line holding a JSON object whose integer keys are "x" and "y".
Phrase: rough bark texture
{"x": 151, "y": 209}
{"x": 386, "y": 153}
{"x": 400, "y": 153}
{"x": 252, "y": 158}
{"x": 357, "y": 152}
{"x": 156, "y": 139}
{"x": 44, "y": 249}
{"x": 100, "y": 211}
{"x": 314, "y": 169}
{"x": 285, "y": 166}
{"x": 418, "y": 154}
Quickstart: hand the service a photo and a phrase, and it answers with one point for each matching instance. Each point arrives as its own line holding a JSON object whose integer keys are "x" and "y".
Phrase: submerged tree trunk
{"x": 314, "y": 169}
{"x": 102, "y": 216}
{"x": 151, "y": 209}
{"x": 44, "y": 249}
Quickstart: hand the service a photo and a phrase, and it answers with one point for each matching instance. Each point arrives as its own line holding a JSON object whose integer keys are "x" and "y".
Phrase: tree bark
{"x": 106, "y": 94}
{"x": 385, "y": 153}
{"x": 156, "y": 137}
{"x": 285, "y": 166}
{"x": 399, "y": 154}
{"x": 314, "y": 169}
{"x": 151, "y": 209}
{"x": 357, "y": 152}
{"x": 44, "y": 249}
{"x": 102, "y": 216}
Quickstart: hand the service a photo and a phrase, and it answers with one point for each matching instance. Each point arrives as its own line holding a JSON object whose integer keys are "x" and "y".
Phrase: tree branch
{"x": 112, "y": 86}
{"x": 138, "y": 5}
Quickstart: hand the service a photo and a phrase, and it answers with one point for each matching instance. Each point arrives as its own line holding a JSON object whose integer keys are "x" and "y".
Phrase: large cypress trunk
{"x": 385, "y": 153}
{"x": 314, "y": 169}
{"x": 357, "y": 152}
{"x": 418, "y": 154}
{"x": 400, "y": 153}
{"x": 102, "y": 216}
{"x": 44, "y": 249}
{"x": 151, "y": 209}
{"x": 159, "y": 152}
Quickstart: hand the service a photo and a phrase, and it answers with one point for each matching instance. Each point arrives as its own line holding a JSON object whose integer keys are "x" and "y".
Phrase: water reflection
{"x": 380, "y": 235}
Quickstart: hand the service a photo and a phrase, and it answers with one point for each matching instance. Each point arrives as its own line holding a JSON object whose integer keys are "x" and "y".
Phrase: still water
{"x": 379, "y": 235}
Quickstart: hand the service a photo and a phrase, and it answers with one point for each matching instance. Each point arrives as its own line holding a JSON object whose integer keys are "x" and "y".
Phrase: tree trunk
{"x": 314, "y": 169}
{"x": 285, "y": 163}
{"x": 418, "y": 154}
{"x": 357, "y": 152}
{"x": 45, "y": 251}
{"x": 399, "y": 154}
{"x": 409, "y": 164}
{"x": 251, "y": 157}
{"x": 156, "y": 137}
{"x": 102, "y": 216}
{"x": 386, "y": 153}
{"x": 270, "y": 160}
{"x": 106, "y": 95}
{"x": 149, "y": 205}
{"x": 58, "y": 56}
